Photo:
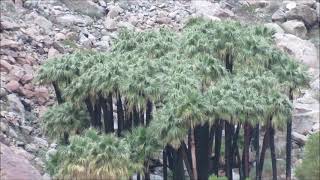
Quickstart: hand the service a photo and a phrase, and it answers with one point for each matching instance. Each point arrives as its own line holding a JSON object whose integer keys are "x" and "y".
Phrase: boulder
{"x": 5, "y": 66}
{"x": 208, "y": 9}
{"x": 114, "y": 11}
{"x": 303, "y": 13}
{"x": 7, "y": 24}
{"x": 295, "y": 27}
{"x": 303, "y": 50}
{"x": 7, "y": 43}
{"x": 53, "y": 53}
{"x": 299, "y": 138}
{"x": 279, "y": 16}
{"x": 69, "y": 20}
{"x": 275, "y": 27}
{"x": 59, "y": 37}
{"x": 40, "y": 21}
{"x": 110, "y": 24}
{"x": 85, "y": 7}
{"x": 12, "y": 86}
{"x": 15, "y": 166}
{"x": 15, "y": 105}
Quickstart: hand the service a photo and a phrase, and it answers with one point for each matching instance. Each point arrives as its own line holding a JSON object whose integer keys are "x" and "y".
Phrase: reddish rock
{"x": 17, "y": 73}
{"x": 28, "y": 86}
{"x": 15, "y": 166}
{"x": 12, "y": 86}
{"x": 5, "y": 66}
{"x": 27, "y": 93}
{"x": 26, "y": 78}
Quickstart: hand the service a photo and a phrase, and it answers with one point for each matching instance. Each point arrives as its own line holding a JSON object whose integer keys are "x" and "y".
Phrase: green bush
{"x": 310, "y": 167}
{"x": 213, "y": 177}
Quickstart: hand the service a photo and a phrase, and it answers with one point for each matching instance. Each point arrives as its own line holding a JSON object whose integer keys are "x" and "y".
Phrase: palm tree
{"x": 94, "y": 156}
{"x": 63, "y": 120}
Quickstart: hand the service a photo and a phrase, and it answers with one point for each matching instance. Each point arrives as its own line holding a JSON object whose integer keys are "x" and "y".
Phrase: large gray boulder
{"x": 208, "y": 10}
{"x": 295, "y": 27}
{"x": 303, "y": 50}
{"x": 85, "y": 7}
{"x": 275, "y": 27}
{"x": 304, "y": 13}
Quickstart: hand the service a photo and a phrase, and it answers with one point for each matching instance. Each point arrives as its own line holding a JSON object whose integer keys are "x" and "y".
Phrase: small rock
{"x": 32, "y": 148}
{"x": 59, "y": 37}
{"x": 26, "y": 129}
{"x": 26, "y": 78}
{"x": 4, "y": 127}
{"x": 12, "y": 133}
{"x": 12, "y": 86}
{"x": 279, "y": 16}
{"x": 110, "y": 24}
{"x": 3, "y": 93}
{"x": 133, "y": 20}
{"x": 114, "y": 11}
{"x": 5, "y": 66}
{"x": 40, "y": 142}
{"x": 102, "y": 3}
{"x": 53, "y": 53}
{"x": 127, "y": 25}
{"x": 163, "y": 20}
{"x": 295, "y": 27}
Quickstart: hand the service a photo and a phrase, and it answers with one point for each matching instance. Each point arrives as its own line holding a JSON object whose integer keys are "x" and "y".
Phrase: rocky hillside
{"x": 34, "y": 30}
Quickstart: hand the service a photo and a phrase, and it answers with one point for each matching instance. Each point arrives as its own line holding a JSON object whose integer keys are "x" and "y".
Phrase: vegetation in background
{"x": 309, "y": 169}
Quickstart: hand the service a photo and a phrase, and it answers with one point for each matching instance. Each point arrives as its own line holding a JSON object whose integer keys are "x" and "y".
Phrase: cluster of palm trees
{"x": 174, "y": 92}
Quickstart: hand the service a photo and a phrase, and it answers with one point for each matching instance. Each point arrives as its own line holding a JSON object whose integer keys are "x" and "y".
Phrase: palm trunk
{"x": 201, "y": 135}
{"x": 146, "y": 171}
{"x": 245, "y": 158}
{"x": 193, "y": 156}
{"x": 141, "y": 116}
{"x": 58, "y": 92}
{"x": 104, "y": 107}
{"x": 135, "y": 116}
{"x": 217, "y": 147}
{"x": 211, "y": 138}
{"x": 239, "y": 163}
{"x": 263, "y": 150}
{"x": 97, "y": 115}
{"x": 257, "y": 145}
{"x": 65, "y": 138}
{"x": 273, "y": 154}
{"x": 164, "y": 165}
{"x": 176, "y": 163}
{"x": 148, "y": 112}
{"x": 187, "y": 163}
{"x": 91, "y": 113}
{"x": 289, "y": 141}
{"x": 229, "y": 128}
{"x": 120, "y": 114}
{"x": 235, "y": 143}
{"x": 129, "y": 121}
{"x": 110, "y": 126}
